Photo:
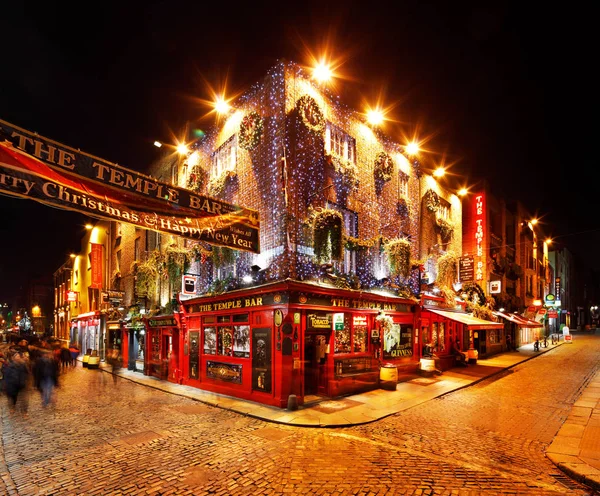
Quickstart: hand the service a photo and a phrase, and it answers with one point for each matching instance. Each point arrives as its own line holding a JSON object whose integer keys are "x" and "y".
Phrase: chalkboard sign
{"x": 466, "y": 268}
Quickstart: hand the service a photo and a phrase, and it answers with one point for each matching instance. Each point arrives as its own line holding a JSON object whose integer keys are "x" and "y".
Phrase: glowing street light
{"x": 439, "y": 172}
{"x": 322, "y": 73}
{"x": 182, "y": 149}
{"x": 412, "y": 148}
{"x": 534, "y": 222}
{"x": 462, "y": 191}
{"x": 157, "y": 144}
{"x": 221, "y": 106}
{"x": 375, "y": 117}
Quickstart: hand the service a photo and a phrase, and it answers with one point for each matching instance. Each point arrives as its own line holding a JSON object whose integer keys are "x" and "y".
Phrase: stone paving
{"x": 101, "y": 437}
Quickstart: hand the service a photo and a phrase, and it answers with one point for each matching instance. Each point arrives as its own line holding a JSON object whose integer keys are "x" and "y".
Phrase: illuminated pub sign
{"x": 479, "y": 235}
{"x": 473, "y": 261}
{"x": 72, "y": 295}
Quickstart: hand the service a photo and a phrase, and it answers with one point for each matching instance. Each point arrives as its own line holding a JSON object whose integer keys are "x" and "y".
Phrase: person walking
{"x": 115, "y": 363}
{"x": 46, "y": 376}
{"x": 16, "y": 375}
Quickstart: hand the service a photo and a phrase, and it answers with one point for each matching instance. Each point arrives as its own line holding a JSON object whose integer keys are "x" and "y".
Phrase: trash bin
{"x": 93, "y": 360}
{"x": 388, "y": 376}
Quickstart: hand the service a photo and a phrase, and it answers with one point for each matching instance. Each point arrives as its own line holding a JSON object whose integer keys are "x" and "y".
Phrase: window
{"x": 444, "y": 211}
{"x": 338, "y": 143}
{"x": 350, "y": 228}
{"x": 224, "y": 158}
{"x": 152, "y": 240}
{"x": 175, "y": 174}
{"x": 398, "y": 341}
{"x": 402, "y": 185}
{"x": 227, "y": 339}
{"x": 136, "y": 249}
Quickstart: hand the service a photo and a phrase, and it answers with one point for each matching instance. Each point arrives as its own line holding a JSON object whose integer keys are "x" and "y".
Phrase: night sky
{"x": 504, "y": 93}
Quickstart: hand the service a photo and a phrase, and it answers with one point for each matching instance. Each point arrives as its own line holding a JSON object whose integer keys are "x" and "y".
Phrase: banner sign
{"x": 40, "y": 169}
{"x": 96, "y": 263}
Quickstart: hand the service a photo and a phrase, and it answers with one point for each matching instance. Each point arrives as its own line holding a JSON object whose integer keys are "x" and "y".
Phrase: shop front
{"x": 520, "y": 329}
{"x": 162, "y": 347}
{"x": 445, "y": 328}
{"x": 88, "y": 331}
{"x": 267, "y": 343}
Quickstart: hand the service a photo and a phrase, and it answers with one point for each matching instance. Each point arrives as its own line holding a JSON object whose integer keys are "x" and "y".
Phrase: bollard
{"x": 292, "y": 402}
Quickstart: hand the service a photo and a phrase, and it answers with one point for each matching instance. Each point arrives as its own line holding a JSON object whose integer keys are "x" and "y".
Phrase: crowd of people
{"x": 25, "y": 366}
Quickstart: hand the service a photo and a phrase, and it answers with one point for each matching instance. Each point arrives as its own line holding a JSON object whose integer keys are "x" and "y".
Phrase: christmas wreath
{"x": 251, "y": 129}
{"x": 384, "y": 166}
{"x": 327, "y": 234}
{"x": 311, "y": 114}
{"x": 197, "y": 178}
{"x": 432, "y": 201}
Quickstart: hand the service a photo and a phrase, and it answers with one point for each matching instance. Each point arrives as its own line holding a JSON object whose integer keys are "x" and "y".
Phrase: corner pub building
{"x": 289, "y": 337}
{"x": 349, "y": 228}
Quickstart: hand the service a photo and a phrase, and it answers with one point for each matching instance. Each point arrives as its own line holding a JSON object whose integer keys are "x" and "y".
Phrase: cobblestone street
{"x": 106, "y": 438}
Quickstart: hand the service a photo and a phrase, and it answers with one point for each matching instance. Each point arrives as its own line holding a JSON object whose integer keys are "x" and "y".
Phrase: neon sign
{"x": 479, "y": 230}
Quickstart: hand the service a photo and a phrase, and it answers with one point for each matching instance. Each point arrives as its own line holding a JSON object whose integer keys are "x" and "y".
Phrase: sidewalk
{"x": 575, "y": 449}
{"x": 356, "y": 409}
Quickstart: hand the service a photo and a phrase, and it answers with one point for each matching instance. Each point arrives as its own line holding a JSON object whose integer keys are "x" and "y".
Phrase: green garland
{"x": 384, "y": 166}
{"x": 197, "y": 178}
{"x": 222, "y": 256}
{"x": 251, "y": 129}
{"x": 177, "y": 261}
{"x": 347, "y": 170}
{"x": 398, "y": 253}
{"x": 311, "y": 114}
{"x": 432, "y": 200}
{"x": 327, "y": 234}
{"x": 357, "y": 244}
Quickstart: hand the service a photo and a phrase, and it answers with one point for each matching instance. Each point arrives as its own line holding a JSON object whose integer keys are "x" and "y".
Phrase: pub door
{"x": 315, "y": 364}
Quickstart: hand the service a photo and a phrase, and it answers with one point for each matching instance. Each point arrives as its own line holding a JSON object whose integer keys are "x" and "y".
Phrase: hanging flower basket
{"x": 447, "y": 266}
{"x": 311, "y": 114}
{"x": 398, "y": 253}
{"x": 385, "y": 321}
{"x": 327, "y": 233}
{"x": 216, "y": 185}
{"x": 251, "y": 129}
{"x": 445, "y": 228}
{"x": 432, "y": 201}
{"x": 347, "y": 171}
{"x": 384, "y": 166}
{"x": 197, "y": 178}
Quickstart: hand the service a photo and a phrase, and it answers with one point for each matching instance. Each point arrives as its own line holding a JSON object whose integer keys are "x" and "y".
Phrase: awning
{"x": 464, "y": 318}
{"x": 518, "y": 319}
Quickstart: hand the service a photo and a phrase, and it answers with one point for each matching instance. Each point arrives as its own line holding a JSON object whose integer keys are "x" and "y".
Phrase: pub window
{"x": 241, "y": 341}
{"x": 225, "y": 341}
{"x": 223, "y": 318}
{"x": 402, "y": 185}
{"x": 210, "y": 341}
{"x": 240, "y": 317}
{"x": 209, "y": 319}
{"x": 391, "y": 342}
{"x": 224, "y": 158}
{"x": 360, "y": 335}
{"x": 339, "y": 143}
{"x": 343, "y": 342}
{"x": 350, "y": 228}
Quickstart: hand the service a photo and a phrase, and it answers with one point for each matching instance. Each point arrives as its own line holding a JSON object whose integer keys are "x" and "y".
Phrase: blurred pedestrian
{"x": 16, "y": 375}
{"x": 509, "y": 342}
{"x": 114, "y": 360}
{"x": 45, "y": 373}
{"x": 74, "y": 354}
{"x": 65, "y": 357}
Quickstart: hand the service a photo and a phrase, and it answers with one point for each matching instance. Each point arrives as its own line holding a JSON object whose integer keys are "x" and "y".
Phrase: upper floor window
{"x": 402, "y": 185}
{"x": 225, "y": 157}
{"x": 339, "y": 143}
{"x": 444, "y": 211}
